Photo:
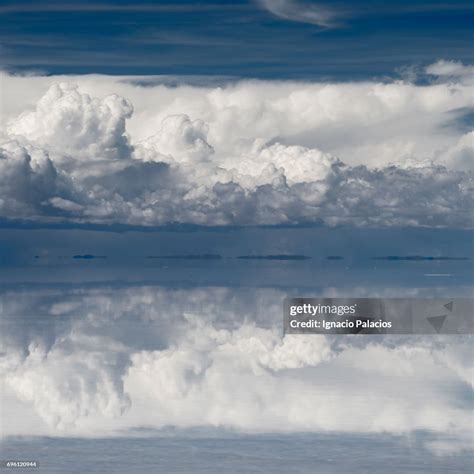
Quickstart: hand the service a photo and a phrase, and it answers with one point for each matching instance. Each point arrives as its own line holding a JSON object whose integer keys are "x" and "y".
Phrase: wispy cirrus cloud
{"x": 330, "y": 16}
{"x": 301, "y": 11}
{"x": 29, "y": 7}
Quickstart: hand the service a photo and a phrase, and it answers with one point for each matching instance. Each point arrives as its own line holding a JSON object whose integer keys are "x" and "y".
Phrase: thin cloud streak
{"x": 329, "y": 17}
{"x": 295, "y": 10}
{"x": 113, "y": 7}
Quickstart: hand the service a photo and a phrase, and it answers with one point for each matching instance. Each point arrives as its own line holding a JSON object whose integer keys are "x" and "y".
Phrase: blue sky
{"x": 244, "y": 38}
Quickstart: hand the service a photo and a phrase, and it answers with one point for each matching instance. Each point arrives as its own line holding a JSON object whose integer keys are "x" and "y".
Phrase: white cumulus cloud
{"x": 246, "y": 153}
{"x": 73, "y": 123}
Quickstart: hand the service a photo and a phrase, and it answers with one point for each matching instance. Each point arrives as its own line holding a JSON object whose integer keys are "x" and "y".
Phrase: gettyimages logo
{"x": 308, "y": 308}
{"x": 378, "y": 316}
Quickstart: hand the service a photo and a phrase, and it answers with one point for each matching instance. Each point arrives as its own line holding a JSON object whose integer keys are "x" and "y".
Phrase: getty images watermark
{"x": 378, "y": 316}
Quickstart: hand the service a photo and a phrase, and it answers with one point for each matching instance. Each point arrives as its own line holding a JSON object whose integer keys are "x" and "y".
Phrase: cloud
{"x": 327, "y": 15}
{"x": 301, "y": 11}
{"x": 461, "y": 155}
{"x": 179, "y": 138}
{"x": 29, "y": 180}
{"x": 105, "y": 6}
{"x": 71, "y": 123}
{"x": 362, "y": 154}
{"x": 371, "y": 123}
{"x": 450, "y": 68}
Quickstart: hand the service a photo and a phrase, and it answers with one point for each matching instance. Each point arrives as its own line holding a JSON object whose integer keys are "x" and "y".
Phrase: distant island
{"x": 274, "y": 257}
{"x": 204, "y": 256}
{"x": 88, "y": 256}
{"x": 418, "y": 258}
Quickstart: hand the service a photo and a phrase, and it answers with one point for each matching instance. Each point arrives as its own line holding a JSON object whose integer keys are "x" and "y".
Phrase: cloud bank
{"x": 365, "y": 154}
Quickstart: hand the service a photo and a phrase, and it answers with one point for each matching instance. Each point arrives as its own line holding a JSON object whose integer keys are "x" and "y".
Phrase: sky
{"x": 271, "y": 39}
{"x": 265, "y": 112}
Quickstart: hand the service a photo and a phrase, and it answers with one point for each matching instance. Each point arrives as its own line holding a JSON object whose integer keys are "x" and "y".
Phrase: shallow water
{"x": 132, "y": 364}
{"x": 298, "y": 453}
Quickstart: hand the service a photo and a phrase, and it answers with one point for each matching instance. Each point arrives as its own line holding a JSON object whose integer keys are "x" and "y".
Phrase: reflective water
{"x": 135, "y": 364}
